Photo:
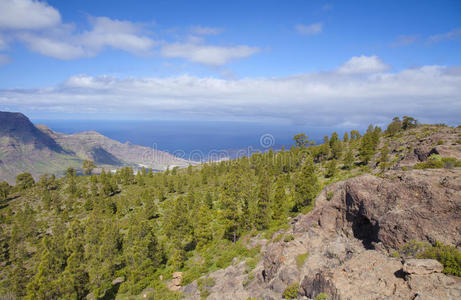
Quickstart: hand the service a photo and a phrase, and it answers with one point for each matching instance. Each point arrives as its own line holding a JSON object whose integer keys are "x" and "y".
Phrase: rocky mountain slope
{"x": 38, "y": 150}
{"x": 347, "y": 246}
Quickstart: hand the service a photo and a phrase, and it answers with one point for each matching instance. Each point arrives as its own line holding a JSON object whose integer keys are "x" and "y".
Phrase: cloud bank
{"x": 331, "y": 98}
{"x": 39, "y": 26}
{"x": 27, "y": 14}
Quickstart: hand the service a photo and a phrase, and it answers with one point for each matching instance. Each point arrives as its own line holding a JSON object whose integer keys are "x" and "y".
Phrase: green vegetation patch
{"x": 300, "y": 259}
{"x": 447, "y": 255}
{"x": 321, "y": 296}
{"x": 435, "y": 161}
{"x": 291, "y": 291}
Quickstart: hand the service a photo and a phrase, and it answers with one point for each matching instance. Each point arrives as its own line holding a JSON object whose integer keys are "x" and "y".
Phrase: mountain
{"x": 372, "y": 216}
{"x": 25, "y": 147}
{"x": 368, "y": 237}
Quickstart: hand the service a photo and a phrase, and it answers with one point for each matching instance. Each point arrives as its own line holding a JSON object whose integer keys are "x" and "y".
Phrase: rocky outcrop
{"x": 416, "y": 145}
{"x": 349, "y": 239}
{"x": 400, "y": 207}
{"x": 422, "y": 266}
{"x": 175, "y": 282}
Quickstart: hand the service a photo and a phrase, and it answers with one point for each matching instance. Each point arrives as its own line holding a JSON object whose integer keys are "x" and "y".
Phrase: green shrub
{"x": 291, "y": 292}
{"x": 433, "y": 162}
{"x": 330, "y": 195}
{"x": 430, "y": 164}
{"x": 300, "y": 259}
{"x": 440, "y": 143}
{"x": 321, "y": 296}
{"x": 447, "y": 255}
{"x": 288, "y": 238}
{"x": 395, "y": 254}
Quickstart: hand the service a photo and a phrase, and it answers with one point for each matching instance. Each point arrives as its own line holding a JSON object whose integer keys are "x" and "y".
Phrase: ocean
{"x": 187, "y": 138}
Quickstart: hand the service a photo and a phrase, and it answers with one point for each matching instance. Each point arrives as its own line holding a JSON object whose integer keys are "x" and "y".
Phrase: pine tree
{"x": 384, "y": 158}
{"x": 409, "y": 122}
{"x": 346, "y": 138}
{"x": 394, "y": 127}
{"x": 52, "y": 263}
{"x": 331, "y": 168}
{"x": 336, "y": 146}
{"x": 88, "y": 166}
{"x": 73, "y": 282}
{"x": 280, "y": 200}
{"x": 231, "y": 206}
{"x": 348, "y": 159}
{"x": 142, "y": 254}
{"x": 301, "y": 140}
{"x": 263, "y": 212}
{"x": 177, "y": 224}
{"x": 24, "y": 181}
{"x": 307, "y": 185}
{"x": 367, "y": 147}
{"x": 203, "y": 233}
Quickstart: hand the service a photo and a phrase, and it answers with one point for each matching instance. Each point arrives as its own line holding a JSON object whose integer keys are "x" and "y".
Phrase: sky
{"x": 313, "y": 63}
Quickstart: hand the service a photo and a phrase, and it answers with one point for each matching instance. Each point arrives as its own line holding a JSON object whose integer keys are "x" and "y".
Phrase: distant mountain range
{"x": 25, "y": 147}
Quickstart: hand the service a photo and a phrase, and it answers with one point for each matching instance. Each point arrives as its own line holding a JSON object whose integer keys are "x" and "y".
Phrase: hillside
{"x": 361, "y": 239}
{"x": 39, "y": 150}
{"x": 372, "y": 216}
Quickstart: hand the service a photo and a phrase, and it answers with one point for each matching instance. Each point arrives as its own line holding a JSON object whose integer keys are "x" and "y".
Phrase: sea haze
{"x": 191, "y": 137}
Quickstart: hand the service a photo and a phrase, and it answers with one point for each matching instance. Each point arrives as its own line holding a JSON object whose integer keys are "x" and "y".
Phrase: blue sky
{"x": 308, "y": 62}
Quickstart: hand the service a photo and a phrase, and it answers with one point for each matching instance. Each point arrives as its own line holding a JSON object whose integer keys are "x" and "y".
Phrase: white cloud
{"x": 27, "y": 14}
{"x": 54, "y": 47}
{"x": 200, "y": 30}
{"x": 4, "y": 59}
{"x": 451, "y": 35}
{"x": 312, "y": 29}
{"x": 363, "y": 64}
{"x": 117, "y": 34}
{"x": 39, "y": 26}
{"x": 63, "y": 43}
{"x": 207, "y": 54}
{"x": 430, "y": 93}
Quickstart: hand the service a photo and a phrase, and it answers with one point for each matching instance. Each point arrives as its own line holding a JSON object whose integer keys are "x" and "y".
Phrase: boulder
{"x": 422, "y": 266}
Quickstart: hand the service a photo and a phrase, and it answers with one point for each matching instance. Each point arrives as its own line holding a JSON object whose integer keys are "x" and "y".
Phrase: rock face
{"x": 422, "y": 205}
{"x": 349, "y": 239}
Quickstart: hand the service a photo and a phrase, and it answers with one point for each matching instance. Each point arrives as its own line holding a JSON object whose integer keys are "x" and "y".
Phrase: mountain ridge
{"x": 37, "y": 149}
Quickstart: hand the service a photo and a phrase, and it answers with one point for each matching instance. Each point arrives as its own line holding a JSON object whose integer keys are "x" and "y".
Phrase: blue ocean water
{"x": 187, "y": 137}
